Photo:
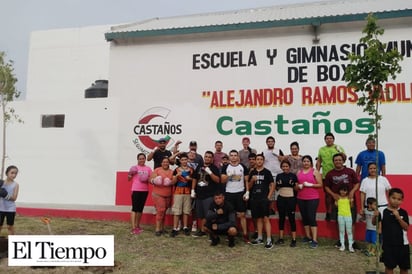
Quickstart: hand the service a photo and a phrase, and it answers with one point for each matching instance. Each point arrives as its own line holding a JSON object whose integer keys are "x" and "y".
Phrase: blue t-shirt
{"x": 369, "y": 156}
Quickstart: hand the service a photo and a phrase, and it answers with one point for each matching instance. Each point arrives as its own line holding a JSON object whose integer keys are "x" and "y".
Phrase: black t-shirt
{"x": 286, "y": 180}
{"x": 260, "y": 188}
{"x": 392, "y": 232}
{"x": 158, "y": 157}
{"x": 206, "y": 187}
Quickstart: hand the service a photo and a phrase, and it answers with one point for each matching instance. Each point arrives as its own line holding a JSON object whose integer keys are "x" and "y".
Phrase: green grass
{"x": 146, "y": 253}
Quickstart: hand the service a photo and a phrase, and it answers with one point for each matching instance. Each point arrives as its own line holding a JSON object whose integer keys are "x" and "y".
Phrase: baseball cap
{"x": 162, "y": 140}
{"x": 193, "y": 143}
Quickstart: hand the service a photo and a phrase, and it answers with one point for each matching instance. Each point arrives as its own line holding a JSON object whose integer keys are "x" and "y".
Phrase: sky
{"x": 18, "y": 18}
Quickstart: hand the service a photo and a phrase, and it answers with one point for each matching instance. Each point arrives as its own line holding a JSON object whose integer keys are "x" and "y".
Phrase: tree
{"x": 8, "y": 93}
{"x": 367, "y": 74}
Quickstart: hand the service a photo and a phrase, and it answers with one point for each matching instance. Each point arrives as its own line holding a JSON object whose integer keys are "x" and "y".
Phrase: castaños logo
{"x": 152, "y": 126}
{"x": 61, "y": 250}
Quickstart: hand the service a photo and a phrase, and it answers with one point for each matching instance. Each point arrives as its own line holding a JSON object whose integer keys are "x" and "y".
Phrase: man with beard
{"x": 160, "y": 152}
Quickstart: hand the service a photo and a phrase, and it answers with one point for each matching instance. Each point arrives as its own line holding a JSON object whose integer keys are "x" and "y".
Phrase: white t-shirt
{"x": 272, "y": 161}
{"x": 368, "y": 186}
{"x": 236, "y": 178}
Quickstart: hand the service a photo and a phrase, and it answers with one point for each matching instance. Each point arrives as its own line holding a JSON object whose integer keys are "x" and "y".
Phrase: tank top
{"x": 6, "y": 205}
{"x": 307, "y": 193}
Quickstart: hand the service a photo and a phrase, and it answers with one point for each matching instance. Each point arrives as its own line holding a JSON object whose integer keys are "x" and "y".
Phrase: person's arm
{"x": 318, "y": 178}
{"x": 318, "y": 163}
{"x": 251, "y": 182}
{"x": 151, "y": 154}
{"x": 362, "y": 203}
{"x": 383, "y": 170}
{"x": 354, "y": 189}
{"x": 213, "y": 173}
{"x": 358, "y": 170}
{"x": 15, "y": 193}
{"x": 271, "y": 190}
{"x": 404, "y": 225}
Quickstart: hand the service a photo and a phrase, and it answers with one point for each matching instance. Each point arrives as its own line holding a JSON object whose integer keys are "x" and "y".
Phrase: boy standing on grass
{"x": 261, "y": 186}
{"x": 395, "y": 224}
{"x": 370, "y": 218}
{"x": 183, "y": 180}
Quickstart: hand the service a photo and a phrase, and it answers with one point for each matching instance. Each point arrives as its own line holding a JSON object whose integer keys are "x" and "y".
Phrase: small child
{"x": 344, "y": 205}
{"x": 395, "y": 224}
{"x": 370, "y": 217}
{"x": 9, "y": 190}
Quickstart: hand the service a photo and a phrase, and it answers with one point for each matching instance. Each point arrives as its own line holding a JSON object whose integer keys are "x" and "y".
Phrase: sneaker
{"x": 351, "y": 249}
{"x": 342, "y": 248}
{"x": 215, "y": 241}
{"x": 137, "y": 230}
{"x": 194, "y": 227}
{"x": 257, "y": 242}
{"x": 173, "y": 233}
{"x": 231, "y": 241}
{"x": 306, "y": 240}
{"x": 186, "y": 231}
{"x": 338, "y": 244}
{"x": 246, "y": 239}
{"x": 293, "y": 243}
{"x": 355, "y": 246}
{"x": 269, "y": 245}
{"x": 279, "y": 242}
{"x": 313, "y": 244}
{"x": 199, "y": 234}
{"x": 158, "y": 233}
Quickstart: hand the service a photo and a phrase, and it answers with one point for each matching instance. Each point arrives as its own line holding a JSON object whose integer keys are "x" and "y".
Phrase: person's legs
{"x": 268, "y": 228}
{"x": 341, "y": 226}
{"x": 282, "y": 207}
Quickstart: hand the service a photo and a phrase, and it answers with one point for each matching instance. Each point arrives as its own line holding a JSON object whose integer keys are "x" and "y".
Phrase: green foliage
{"x": 8, "y": 91}
{"x": 367, "y": 73}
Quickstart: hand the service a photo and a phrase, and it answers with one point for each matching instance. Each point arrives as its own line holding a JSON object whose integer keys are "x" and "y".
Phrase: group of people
{"x": 224, "y": 186}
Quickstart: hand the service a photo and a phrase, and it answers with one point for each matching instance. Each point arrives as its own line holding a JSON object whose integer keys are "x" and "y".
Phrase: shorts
{"x": 236, "y": 200}
{"x": 139, "y": 200}
{"x": 370, "y": 236}
{"x": 395, "y": 255}
{"x": 9, "y": 217}
{"x": 259, "y": 208}
{"x": 202, "y": 206}
{"x": 181, "y": 204}
{"x": 334, "y": 213}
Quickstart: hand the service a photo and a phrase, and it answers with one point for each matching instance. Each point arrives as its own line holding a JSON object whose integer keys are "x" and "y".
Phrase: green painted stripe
{"x": 256, "y": 25}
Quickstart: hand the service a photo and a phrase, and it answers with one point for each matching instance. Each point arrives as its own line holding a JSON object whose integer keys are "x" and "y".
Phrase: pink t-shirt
{"x": 307, "y": 193}
{"x": 141, "y": 179}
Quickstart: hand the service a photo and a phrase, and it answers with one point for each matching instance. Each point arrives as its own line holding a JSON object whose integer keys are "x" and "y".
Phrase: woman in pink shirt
{"x": 162, "y": 193}
{"x": 139, "y": 175}
{"x": 309, "y": 183}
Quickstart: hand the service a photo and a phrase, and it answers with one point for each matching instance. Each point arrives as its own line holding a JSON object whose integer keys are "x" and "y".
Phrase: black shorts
{"x": 138, "y": 200}
{"x": 236, "y": 200}
{"x": 202, "y": 207}
{"x": 9, "y": 217}
{"x": 395, "y": 255}
{"x": 259, "y": 208}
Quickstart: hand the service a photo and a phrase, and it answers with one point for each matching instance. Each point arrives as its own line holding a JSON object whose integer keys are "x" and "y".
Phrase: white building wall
{"x": 75, "y": 164}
